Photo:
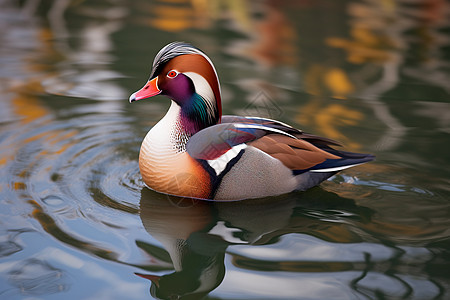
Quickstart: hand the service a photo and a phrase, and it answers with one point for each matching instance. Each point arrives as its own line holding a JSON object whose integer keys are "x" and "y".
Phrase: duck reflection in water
{"x": 196, "y": 233}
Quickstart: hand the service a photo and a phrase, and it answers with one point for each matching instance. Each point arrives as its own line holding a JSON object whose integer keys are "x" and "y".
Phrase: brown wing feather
{"x": 317, "y": 139}
{"x": 296, "y": 154}
{"x": 270, "y": 145}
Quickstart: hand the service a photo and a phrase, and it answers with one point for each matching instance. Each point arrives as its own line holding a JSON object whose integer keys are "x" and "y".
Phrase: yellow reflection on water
{"x": 179, "y": 15}
{"x": 336, "y": 79}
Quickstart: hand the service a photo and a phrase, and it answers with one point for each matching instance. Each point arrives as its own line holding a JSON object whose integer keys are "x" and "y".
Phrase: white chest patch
{"x": 219, "y": 164}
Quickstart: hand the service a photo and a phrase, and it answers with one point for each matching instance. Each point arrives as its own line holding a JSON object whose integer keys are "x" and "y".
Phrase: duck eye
{"x": 172, "y": 74}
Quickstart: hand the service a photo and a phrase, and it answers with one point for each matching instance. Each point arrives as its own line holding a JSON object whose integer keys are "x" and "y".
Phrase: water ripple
{"x": 79, "y": 166}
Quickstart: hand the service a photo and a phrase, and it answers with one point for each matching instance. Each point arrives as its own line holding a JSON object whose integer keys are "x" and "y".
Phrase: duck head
{"x": 188, "y": 77}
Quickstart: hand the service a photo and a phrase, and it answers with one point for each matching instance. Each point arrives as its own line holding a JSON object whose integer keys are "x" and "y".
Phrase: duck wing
{"x": 280, "y": 126}
{"x": 297, "y": 150}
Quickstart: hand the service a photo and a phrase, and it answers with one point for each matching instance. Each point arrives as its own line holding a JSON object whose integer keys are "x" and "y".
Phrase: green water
{"x": 76, "y": 221}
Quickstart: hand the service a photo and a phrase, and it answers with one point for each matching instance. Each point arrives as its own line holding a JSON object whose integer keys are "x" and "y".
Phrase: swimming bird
{"x": 194, "y": 151}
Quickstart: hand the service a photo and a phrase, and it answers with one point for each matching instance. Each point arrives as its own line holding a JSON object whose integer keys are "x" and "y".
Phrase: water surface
{"x": 77, "y": 222}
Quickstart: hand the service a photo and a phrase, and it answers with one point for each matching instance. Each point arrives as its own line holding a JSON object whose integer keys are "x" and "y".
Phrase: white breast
{"x": 159, "y": 150}
{"x": 164, "y": 163}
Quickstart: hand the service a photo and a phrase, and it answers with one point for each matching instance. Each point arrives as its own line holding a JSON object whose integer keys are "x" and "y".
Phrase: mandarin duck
{"x": 194, "y": 151}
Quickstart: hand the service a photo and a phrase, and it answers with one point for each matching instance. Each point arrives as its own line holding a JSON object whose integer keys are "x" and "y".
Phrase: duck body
{"x": 194, "y": 151}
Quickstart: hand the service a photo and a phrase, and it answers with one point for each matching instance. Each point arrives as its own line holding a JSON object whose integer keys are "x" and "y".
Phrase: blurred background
{"x": 77, "y": 222}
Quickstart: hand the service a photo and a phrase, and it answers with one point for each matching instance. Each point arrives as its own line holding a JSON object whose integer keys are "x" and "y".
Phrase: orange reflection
{"x": 337, "y": 81}
{"x": 275, "y": 43}
{"x": 179, "y": 15}
{"x": 334, "y": 116}
{"x": 172, "y": 18}
{"x": 28, "y": 107}
{"x": 366, "y": 47}
{"x": 329, "y": 118}
{"x": 31, "y": 112}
